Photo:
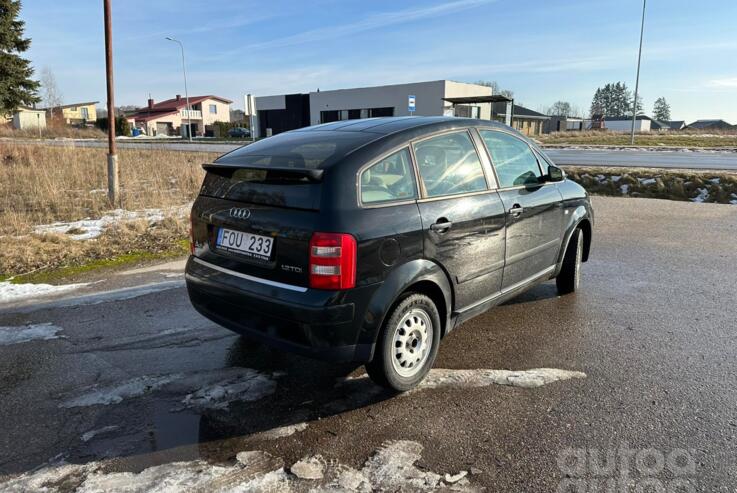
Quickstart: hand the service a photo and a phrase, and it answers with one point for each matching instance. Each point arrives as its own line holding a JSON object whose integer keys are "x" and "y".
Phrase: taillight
{"x": 191, "y": 234}
{"x": 332, "y": 261}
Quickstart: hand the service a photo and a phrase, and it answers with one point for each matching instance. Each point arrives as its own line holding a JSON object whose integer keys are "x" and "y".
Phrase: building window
{"x": 213, "y": 109}
{"x": 376, "y": 112}
{"x": 85, "y": 113}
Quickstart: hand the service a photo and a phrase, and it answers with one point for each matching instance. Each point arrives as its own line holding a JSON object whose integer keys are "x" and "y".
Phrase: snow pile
{"x": 14, "y": 292}
{"x": 26, "y": 333}
{"x": 536, "y": 377}
{"x": 87, "y": 229}
{"x": 391, "y": 468}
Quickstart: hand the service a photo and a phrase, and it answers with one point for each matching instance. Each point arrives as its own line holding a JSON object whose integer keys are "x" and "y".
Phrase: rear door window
{"x": 513, "y": 160}
{"x": 449, "y": 165}
{"x": 391, "y": 179}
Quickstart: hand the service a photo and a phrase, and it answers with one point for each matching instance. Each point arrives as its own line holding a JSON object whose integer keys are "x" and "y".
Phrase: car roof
{"x": 393, "y": 124}
{"x": 351, "y": 135}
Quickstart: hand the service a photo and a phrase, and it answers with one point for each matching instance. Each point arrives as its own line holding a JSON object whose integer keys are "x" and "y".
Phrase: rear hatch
{"x": 258, "y": 220}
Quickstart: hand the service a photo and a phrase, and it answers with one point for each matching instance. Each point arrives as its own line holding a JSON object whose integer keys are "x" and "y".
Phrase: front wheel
{"x": 569, "y": 277}
{"x": 407, "y": 345}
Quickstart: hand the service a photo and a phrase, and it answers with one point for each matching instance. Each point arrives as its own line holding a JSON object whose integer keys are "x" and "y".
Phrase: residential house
{"x": 26, "y": 118}
{"x": 527, "y": 121}
{"x": 562, "y": 123}
{"x": 171, "y": 117}
{"x": 676, "y": 124}
{"x": 624, "y": 123}
{"x": 710, "y": 125}
{"x": 74, "y": 114}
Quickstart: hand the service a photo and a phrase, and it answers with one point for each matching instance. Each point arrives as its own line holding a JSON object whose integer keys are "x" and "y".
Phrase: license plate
{"x": 247, "y": 244}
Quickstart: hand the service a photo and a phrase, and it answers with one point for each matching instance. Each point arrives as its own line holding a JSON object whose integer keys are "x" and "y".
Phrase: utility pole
{"x": 637, "y": 80}
{"x": 112, "y": 157}
{"x": 186, "y": 92}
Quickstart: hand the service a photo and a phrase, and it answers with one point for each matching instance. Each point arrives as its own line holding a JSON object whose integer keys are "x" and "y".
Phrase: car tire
{"x": 569, "y": 278}
{"x": 407, "y": 344}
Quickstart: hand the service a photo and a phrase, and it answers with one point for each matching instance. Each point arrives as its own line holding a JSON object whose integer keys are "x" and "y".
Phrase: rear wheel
{"x": 407, "y": 345}
{"x": 569, "y": 277}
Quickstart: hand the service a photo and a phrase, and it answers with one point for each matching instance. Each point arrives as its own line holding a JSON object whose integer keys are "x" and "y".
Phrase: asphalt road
{"x": 136, "y": 381}
{"x": 719, "y": 160}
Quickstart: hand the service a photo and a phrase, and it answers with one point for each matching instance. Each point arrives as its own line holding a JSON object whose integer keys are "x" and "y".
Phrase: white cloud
{"x": 729, "y": 82}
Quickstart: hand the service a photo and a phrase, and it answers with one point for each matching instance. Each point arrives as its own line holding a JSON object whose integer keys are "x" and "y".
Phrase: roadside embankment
{"x": 695, "y": 186}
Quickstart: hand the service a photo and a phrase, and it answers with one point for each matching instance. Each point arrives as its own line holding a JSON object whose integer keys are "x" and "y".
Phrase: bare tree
{"x": 495, "y": 88}
{"x": 50, "y": 94}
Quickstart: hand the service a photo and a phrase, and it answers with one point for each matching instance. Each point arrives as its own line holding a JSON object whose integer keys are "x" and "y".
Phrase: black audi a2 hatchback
{"x": 369, "y": 240}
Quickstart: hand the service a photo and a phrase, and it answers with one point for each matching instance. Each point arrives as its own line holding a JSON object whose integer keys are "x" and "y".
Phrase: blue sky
{"x": 543, "y": 50}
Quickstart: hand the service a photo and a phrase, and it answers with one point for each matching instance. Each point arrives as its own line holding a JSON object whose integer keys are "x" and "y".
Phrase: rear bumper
{"x": 316, "y": 323}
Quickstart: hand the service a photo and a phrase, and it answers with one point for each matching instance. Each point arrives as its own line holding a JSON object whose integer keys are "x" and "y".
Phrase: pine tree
{"x": 661, "y": 110}
{"x": 614, "y": 100}
{"x": 16, "y": 86}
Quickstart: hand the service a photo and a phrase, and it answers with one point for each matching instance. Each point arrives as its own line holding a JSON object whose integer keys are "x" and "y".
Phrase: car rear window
{"x": 300, "y": 149}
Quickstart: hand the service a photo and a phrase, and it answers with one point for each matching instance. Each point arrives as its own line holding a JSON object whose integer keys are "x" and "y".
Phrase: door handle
{"x": 516, "y": 210}
{"x": 441, "y": 226}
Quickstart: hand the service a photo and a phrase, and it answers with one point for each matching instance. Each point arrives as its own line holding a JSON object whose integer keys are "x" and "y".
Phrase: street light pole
{"x": 186, "y": 92}
{"x": 637, "y": 80}
{"x": 112, "y": 157}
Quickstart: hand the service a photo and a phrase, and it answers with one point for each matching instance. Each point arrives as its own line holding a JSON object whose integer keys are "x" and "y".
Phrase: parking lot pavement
{"x": 640, "y": 386}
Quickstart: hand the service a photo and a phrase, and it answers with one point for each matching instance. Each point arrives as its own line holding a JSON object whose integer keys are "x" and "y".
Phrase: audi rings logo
{"x": 239, "y": 213}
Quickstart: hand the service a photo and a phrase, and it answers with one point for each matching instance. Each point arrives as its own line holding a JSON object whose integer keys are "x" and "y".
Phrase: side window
{"x": 512, "y": 158}
{"x": 390, "y": 179}
{"x": 449, "y": 164}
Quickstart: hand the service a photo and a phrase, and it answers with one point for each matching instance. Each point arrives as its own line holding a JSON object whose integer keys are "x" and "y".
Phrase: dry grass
{"x": 41, "y": 185}
{"x": 684, "y": 138}
{"x": 53, "y": 131}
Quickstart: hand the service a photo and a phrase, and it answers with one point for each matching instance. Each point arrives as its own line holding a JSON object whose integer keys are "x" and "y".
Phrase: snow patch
{"x": 219, "y": 388}
{"x": 280, "y": 432}
{"x": 702, "y": 196}
{"x": 647, "y": 181}
{"x": 13, "y": 292}
{"x": 26, "y": 333}
{"x": 391, "y": 468}
{"x": 214, "y": 389}
{"x": 309, "y": 467}
{"x": 536, "y": 377}
{"x": 87, "y": 229}
{"x": 113, "y": 394}
{"x": 86, "y": 437}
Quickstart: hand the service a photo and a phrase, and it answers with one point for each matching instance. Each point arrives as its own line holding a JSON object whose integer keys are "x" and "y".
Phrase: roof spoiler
{"x": 312, "y": 175}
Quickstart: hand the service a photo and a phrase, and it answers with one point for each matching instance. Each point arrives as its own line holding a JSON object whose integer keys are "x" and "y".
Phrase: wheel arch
{"x": 420, "y": 276}
{"x": 580, "y": 219}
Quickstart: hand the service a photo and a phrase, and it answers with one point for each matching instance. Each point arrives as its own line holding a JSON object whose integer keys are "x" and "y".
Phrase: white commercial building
{"x": 280, "y": 113}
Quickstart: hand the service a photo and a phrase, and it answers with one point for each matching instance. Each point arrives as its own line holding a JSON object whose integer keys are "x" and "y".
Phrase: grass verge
{"x": 656, "y": 139}
{"x": 129, "y": 259}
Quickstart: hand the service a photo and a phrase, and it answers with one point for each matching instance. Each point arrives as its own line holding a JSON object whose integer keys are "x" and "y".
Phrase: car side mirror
{"x": 555, "y": 174}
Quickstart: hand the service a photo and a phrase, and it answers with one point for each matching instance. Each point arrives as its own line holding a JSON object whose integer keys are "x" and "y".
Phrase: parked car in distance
{"x": 239, "y": 133}
{"x": 369, "y": 240}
